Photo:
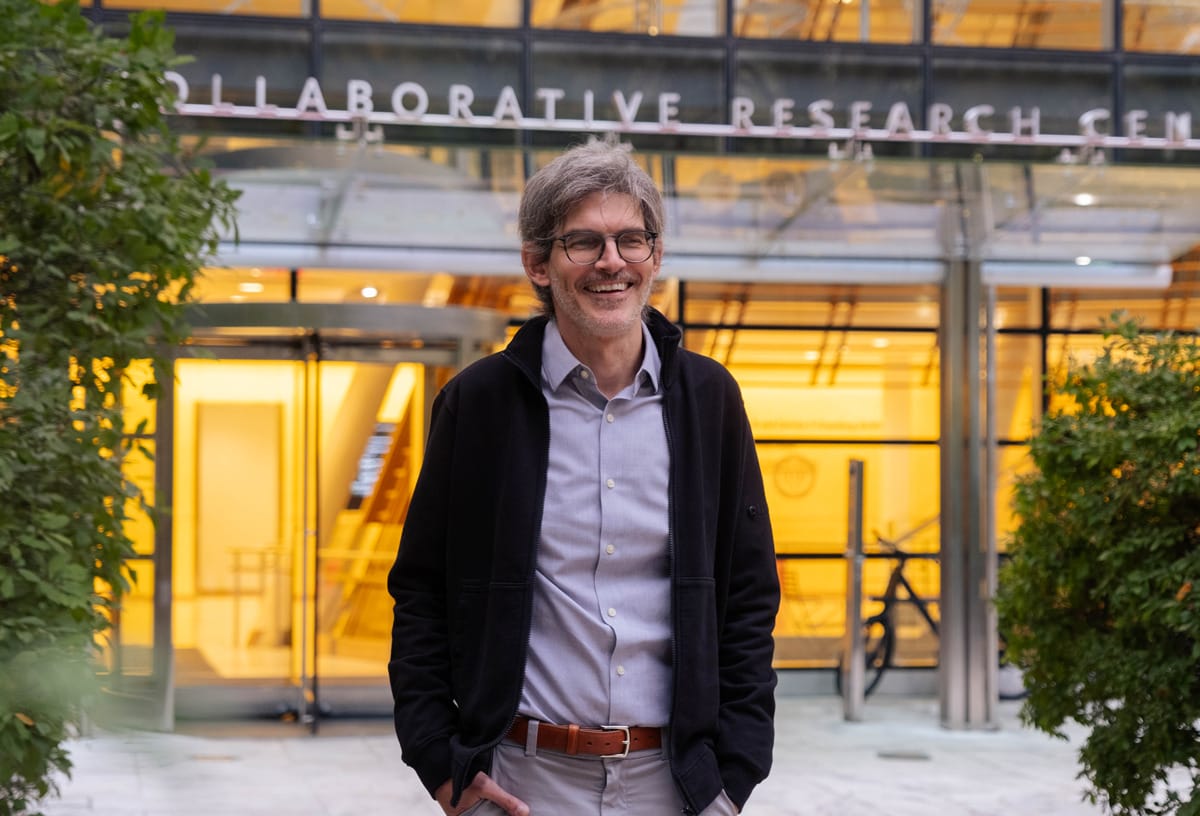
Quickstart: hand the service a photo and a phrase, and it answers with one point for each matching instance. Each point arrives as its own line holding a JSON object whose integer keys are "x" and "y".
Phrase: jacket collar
{"x": 525, "y": 349}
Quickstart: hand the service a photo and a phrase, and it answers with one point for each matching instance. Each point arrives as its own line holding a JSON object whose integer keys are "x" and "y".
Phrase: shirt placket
{"x": 608, "y": 560}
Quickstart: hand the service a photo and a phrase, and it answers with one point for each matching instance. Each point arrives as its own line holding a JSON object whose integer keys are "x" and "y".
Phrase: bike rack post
{"x": 853, "y": 666}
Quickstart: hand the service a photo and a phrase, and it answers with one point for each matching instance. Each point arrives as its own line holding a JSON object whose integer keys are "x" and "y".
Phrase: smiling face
{"x": 601, "y": 301}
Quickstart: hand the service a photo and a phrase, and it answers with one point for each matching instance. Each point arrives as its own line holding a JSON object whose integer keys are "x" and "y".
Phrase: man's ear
{"x": 535, "y": 269}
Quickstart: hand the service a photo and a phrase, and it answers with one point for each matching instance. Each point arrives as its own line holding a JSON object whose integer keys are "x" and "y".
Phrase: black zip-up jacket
{"x": 463, "y": 577}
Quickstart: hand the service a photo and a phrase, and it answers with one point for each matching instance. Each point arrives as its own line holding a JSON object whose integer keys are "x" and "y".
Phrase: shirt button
{"x": 609, "y": 418}
{"x": 610, "y": 549}
{"x": 583, "y": 375}
{"x": 612, "y": 613}
{"x": 621, "y": 670}
{"x": 611, "y": 484}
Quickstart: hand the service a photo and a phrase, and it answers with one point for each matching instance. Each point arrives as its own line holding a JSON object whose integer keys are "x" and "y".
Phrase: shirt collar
{"x": 558, "y": 362}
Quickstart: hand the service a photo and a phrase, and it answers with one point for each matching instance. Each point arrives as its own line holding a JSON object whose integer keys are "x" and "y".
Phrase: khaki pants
{"x": 557, "y": 785}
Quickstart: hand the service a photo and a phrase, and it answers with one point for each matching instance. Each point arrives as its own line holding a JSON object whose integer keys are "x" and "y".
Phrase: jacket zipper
{"x": 672, "y": 526}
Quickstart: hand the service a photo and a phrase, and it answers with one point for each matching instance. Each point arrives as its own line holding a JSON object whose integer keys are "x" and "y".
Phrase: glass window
{"x": 439, "y": 72}
{"x": 488, "y": 13}
{"x": 138, "y": 467}
{"x": 243, "y": 285}
{"x": 1018, "y": 385}
{"x": 884, "y": 384}
{"x": 807, "y": 491}
{"x": 511, "y": 294}
{"x": 809, "y": 305}
{"x": 226, "y": 62}
{"x": 877, "y": 21}
{"x": 812, "y": 612}
{"x": 136, "y": 407}
{"x": 128, "y": 650}
{"x": 272, "y": 8}
{"x": 695, "y": 74}
{"x": 1018, "y": 308}
{"x": 868, "y": 87}
{"x": 1079, "y": 25}
{"x": 388, "y": 59}
{"x": 1164, "y": 93}
{"x": 1013, "y": 462}
{"x": 855, "y": 221}
{"x": 1166, "y": 26}
{"x": 1177, "y": 308}
{"x": 1059, "y": 91}
{"x": 670, "y": 82}
{"x": 693, "y": 18}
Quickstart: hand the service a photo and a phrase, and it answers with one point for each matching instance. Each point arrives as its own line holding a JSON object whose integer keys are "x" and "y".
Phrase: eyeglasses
{"x": 586, "y": 247}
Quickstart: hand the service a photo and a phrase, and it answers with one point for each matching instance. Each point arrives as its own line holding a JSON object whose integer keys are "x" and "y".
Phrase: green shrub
{"x": 1101, "y": 599}
{"x": 103, "y": 226}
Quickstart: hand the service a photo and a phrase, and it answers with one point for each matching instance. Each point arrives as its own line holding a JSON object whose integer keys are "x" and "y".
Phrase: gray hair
{"x": 550, "y": 195}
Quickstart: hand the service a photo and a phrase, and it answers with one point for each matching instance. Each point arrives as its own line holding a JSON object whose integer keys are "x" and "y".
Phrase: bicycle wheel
{"x": 878, "y": 644}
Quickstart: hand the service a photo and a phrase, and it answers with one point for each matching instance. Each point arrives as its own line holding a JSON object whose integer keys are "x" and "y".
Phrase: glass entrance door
{"x": 292, "y": 456}
{"x": 372, "y": 421}
{"x": 293, "y": 468}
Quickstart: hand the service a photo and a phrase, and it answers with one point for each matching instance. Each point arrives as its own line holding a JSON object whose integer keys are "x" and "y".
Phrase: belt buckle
{"x": 624, "y": 729}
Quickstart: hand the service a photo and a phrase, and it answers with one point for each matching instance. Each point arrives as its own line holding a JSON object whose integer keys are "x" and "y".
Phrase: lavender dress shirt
{"x": 600, "y": 646}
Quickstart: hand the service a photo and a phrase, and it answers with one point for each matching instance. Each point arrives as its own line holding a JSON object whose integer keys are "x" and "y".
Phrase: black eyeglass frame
{"x": 651, "y": 240}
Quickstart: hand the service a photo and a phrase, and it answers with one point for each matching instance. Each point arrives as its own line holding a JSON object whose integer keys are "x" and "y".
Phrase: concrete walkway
{"x": 898, "y": 761}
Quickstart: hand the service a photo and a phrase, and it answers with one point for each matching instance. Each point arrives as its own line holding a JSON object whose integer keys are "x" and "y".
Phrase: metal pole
{"x": 853, "y": 667}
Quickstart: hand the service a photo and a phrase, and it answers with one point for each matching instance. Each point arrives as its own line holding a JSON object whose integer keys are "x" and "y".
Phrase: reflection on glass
{"x": 268, "y": 8}
{"x": 1014, "y": 461}
{"x": 129, "y": 651}
{"x": 843, "y": 306}
{"x": 1018, "y": 385}
{"x": 136, "y": 408}
{"x": 1018, "y": 308}
{"x": 775, "y": 209}
{"x": 243, "y": 285}
{"x": 374, "y": 436}
{"x": 695, "y": 18}
{"x": 878, "y": 21}
{"x": 1177, "y": 308}
{"x": 138, "y": 468}
{"x": 238, "y": 520}
{"x": 812, "y": 612}
{"x": 806, "y": 491}
{"x": 511, "y": 294}
{"x": 1020, "y": 24}
{"x": 248, "y": 514}
{"x": 488, "y": 13}
{"x": 1165, "y": 26}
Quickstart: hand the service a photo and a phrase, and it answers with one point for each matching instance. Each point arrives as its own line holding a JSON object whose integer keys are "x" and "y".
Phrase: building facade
{"x": 892, "y": 220}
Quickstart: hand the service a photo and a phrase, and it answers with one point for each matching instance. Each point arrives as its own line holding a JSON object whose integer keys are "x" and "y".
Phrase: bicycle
{"x": 879, "y": 630}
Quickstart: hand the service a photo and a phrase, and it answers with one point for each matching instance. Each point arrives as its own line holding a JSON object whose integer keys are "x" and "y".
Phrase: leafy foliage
{"x": 103, "y": 225}
{"x": 1101, "y": 600}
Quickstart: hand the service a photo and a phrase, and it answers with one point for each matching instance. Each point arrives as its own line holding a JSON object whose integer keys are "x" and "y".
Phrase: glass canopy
{"x": 353, "y": 205}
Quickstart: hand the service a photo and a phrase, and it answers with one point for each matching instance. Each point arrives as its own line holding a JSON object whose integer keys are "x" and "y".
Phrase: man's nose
{"x": 610, "y": 255}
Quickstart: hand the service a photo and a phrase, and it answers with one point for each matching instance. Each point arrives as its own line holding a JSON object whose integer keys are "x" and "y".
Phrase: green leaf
{"x": 79, "y": 231}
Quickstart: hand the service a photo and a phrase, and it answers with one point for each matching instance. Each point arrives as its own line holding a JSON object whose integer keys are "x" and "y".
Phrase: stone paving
{"x": 898, "y": 761}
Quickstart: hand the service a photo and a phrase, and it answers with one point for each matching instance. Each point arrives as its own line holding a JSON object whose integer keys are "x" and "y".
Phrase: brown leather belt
{"x": 608, "y": 741}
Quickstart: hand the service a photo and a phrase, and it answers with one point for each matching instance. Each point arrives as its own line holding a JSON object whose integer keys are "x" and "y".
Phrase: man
{"x": 586, "y": 586}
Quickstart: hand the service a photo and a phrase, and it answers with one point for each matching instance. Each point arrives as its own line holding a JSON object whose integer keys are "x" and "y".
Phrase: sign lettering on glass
{"x": 409, "y": 104}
